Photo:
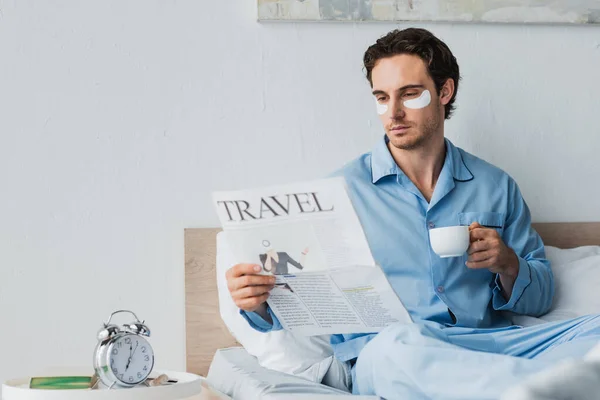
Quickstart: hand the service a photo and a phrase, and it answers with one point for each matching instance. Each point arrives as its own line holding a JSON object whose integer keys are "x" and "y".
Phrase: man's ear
{"x": 447, "y": 91}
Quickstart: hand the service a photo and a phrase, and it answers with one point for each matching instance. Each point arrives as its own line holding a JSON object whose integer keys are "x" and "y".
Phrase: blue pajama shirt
{"x": 453, "y": 306}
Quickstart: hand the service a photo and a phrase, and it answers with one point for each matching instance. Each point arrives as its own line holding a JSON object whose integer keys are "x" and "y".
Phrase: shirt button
{"x": 431, "y": 225}
{"x": 440, "y": 289}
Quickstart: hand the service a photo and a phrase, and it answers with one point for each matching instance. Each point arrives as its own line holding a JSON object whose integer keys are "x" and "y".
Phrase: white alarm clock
{"x": 123, "y": 357}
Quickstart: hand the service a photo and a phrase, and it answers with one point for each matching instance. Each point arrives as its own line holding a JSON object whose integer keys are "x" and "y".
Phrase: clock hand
{"x": 130, "y": 355}
{"x": 136, "y": 346}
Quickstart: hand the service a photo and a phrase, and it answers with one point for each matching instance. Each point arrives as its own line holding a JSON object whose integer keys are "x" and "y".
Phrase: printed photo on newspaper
{"x": 308, "y": 235}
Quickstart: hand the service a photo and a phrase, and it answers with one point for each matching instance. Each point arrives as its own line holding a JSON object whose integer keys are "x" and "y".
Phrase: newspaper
{"x": 308, "y": 235}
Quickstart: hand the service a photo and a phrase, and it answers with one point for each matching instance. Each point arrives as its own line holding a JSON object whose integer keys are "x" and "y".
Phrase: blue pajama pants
{"x": 427, "y": 360}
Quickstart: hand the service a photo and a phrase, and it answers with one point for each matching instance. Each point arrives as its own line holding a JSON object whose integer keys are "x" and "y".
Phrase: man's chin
{"x": 405, "y": 142}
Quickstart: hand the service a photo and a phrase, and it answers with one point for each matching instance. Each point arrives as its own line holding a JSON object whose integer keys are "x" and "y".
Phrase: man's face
{"x": 403, "y": 78}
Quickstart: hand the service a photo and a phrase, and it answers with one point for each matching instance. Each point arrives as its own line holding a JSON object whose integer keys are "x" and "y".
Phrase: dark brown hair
{"x": 441, "y": 63}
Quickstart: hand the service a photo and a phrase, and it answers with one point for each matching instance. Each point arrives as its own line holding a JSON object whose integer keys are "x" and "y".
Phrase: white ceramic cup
{"x": 450, "y": 241}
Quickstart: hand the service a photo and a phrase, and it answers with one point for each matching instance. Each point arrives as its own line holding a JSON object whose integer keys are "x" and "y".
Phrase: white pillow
{"x": 306, "y": 357}
{"x": 558, "y": 256}
{"x": 577, "y": 279}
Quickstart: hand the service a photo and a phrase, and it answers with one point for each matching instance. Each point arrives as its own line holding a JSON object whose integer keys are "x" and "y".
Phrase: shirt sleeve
{"x": 533, "y": 290}
{"x": 258, "y": 323}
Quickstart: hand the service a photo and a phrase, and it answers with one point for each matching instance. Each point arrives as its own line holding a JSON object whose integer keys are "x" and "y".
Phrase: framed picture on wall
{"x": 492, "y": 11}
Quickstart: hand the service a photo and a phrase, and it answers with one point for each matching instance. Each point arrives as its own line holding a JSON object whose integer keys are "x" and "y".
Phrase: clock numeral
{"x": 139, "y": 375}
{"x": 131, "y": 379}
{"x": 120, "y": 344}
{"x": 121, "y": 376}
{"x": 116, "y": 371}
{"x": 112, "y": 362}
{"x": 115, "y": 352}
{"x": 143, "y": 349}
{"x": 145, "y": 368}
{"x": 128, "y": 340}
{"x": 146, "y": 358}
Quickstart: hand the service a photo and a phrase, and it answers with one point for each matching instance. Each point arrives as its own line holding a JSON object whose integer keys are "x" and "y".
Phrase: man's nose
{"x": 397, "y": 109}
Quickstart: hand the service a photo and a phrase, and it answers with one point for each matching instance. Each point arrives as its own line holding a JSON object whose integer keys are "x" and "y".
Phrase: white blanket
{"x": 238, "y": 374}
{"x": 571, "y": 379}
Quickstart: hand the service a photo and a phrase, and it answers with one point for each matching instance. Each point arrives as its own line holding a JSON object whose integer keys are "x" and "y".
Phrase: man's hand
{"x": 248, "y": 290}
{"x": 487, "y": 250}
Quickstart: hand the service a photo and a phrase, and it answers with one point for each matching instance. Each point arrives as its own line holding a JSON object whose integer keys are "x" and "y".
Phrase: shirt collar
{"x": 383, "y": 164}
{"x": 459, "y": 169}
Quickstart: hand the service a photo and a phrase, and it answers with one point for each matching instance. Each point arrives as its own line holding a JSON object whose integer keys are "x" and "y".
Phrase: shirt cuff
{"x": 523, "y": 280}
{"x": 258, "y": 323}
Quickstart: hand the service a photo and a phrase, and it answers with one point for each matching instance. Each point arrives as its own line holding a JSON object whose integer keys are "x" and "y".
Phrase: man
{"x": 461, "y": 346}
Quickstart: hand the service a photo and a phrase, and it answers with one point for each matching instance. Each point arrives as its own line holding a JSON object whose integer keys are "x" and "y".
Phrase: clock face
{"x": 131, "y": 359}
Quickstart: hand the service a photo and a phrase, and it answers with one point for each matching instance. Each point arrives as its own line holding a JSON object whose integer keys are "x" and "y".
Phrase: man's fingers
{"x": 251, "y": 303}
{"x": 250, "y": 280}
{"x": 482, "y": 233}
{"x": 474, "y": 225}
{"x": 480, "y": 256}
{"x": 255, "y": 280}
{"x": 478, "y": 246}
{"x": 251, "y": 291}
{"x": 479, "y": 264}
{"x": 242, "y": 269}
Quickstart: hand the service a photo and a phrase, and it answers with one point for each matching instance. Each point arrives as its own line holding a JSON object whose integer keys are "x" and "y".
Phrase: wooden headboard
{"x": 206, "y": 332}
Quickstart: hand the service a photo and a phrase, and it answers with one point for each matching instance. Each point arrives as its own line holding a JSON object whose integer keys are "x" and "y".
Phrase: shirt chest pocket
{"x": 494, "y": 220}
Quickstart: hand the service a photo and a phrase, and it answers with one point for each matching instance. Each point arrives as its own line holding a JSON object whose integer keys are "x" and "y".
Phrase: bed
{"x": 208, "y": 339}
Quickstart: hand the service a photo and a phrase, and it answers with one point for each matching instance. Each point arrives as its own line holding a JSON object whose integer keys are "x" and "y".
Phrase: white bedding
{"x": 236, "y": 373}
{"x": 570, "y": 379}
